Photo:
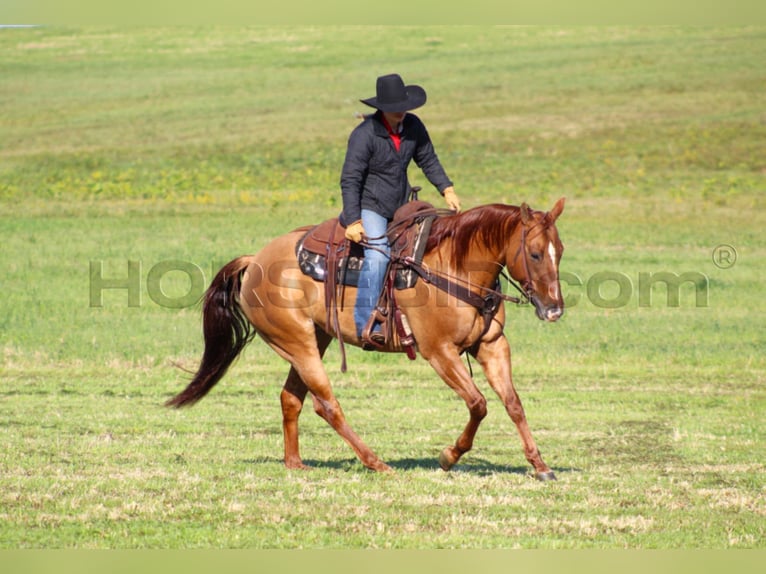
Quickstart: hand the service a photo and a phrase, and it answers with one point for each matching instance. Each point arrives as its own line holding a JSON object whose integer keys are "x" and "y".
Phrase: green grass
{"x": 201, "y": 144}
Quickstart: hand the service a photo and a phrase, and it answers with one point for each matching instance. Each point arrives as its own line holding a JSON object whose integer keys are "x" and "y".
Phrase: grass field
{"x": 198, "y": 145}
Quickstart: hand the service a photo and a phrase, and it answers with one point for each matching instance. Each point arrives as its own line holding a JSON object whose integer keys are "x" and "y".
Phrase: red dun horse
{"x": 266, "y": 294}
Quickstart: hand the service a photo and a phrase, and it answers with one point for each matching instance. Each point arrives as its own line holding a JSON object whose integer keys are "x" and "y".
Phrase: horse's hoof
{"x": 380, "y": 466}
{"x": 445, "y": 460}
{"x": 296, "y": 466}
{"x": 545, "y": 476}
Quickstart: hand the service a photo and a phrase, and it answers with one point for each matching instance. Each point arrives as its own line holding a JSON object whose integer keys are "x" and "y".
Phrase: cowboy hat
{"x": 393, "y": 96}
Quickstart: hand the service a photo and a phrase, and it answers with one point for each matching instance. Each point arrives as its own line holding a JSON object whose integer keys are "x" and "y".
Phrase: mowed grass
{"x": 197, "y": 145}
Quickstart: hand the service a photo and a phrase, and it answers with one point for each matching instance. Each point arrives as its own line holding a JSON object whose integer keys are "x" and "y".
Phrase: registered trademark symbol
{"x": 724, "y": 256}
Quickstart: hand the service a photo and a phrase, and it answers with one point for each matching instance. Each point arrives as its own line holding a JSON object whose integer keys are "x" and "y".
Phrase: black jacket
{"x": 374, "y": 174}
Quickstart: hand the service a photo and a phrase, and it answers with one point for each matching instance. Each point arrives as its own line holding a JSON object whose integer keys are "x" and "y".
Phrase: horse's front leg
{"x": 495, "y": 359}
{"x": 450, "y": 368}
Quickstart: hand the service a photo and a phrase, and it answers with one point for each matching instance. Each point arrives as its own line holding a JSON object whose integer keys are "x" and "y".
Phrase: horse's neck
{"x": 480, "y": 266}
{"x": 483, "y": 235}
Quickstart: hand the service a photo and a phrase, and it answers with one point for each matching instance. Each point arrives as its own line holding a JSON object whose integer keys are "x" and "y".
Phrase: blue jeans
{"x": 374, "y": 267}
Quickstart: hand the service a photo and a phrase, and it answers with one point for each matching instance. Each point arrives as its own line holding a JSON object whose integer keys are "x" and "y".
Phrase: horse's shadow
{"x": 474, "y": 466}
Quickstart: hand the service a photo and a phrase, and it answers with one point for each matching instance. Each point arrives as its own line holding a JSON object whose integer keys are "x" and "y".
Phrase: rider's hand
{"x": 452, "y": 200}
{"x": 355, "y": 231}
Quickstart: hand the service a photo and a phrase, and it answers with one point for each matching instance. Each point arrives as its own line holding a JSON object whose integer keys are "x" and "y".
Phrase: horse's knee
{"x": 324, "y": 409}
{"x": 318, "y": 408}
{"x": 478, "y": 408}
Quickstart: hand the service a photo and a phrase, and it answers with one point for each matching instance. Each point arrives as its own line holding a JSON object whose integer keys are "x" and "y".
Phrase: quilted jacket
{"x": 374, "y": 174}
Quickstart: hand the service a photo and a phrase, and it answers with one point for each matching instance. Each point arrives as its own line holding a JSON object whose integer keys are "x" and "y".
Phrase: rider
{"x": 374, "y": 182}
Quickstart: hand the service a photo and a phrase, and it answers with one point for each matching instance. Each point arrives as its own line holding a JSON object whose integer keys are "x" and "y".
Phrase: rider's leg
{"x": 373, "y": 270}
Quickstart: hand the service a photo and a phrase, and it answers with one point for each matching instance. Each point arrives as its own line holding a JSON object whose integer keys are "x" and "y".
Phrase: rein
{"x": 458, "y": 286}
{"x": 486, "y": 304}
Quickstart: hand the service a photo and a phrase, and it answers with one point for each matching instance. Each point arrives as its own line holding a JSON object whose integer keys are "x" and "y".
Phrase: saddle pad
{"x": 315, "y": 266}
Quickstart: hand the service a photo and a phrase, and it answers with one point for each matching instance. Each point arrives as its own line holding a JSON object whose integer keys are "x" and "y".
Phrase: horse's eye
{"x": 536, "y": 257}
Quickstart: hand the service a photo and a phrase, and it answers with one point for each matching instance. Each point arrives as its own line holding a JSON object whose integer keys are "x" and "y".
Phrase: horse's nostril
{"x": 554, "y": 314}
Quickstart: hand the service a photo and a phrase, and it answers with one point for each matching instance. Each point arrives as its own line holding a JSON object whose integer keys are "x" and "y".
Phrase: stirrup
{"x": 374, "y": 340}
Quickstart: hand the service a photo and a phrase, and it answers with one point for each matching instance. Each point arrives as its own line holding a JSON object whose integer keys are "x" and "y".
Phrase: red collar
{"x": 396, "y": 137}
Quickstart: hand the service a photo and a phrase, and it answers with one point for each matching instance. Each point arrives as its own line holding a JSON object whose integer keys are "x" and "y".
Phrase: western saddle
{"x": 324, "y": 254}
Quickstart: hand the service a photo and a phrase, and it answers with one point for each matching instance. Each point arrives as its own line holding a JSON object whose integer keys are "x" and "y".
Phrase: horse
{"x": 266, "y": 294}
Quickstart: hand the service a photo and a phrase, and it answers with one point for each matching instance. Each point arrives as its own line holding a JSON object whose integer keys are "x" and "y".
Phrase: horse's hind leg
{"x": 327, "y": 407}
{"x": 292, "y": 398}
{"x": 495, "y": 359}
{"x": 308, "y": 375}
{"x": 453, "y": 372}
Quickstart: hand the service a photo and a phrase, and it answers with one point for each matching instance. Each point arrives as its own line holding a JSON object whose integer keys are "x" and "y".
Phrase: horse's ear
{"x": 525, "y": 215}
{"x": 554, "y": 213}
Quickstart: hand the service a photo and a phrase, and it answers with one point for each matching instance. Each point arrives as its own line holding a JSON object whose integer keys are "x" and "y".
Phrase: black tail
{"x": 227, "y": 331}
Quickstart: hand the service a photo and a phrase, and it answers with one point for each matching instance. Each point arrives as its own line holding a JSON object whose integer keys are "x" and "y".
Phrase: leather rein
{"x": 488, "y": 303}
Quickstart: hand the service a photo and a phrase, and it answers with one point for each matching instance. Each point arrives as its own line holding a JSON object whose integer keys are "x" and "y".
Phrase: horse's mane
{"x": 489, "y": 225}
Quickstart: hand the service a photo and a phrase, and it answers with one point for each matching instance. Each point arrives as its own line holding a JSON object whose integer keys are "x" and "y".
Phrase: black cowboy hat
{"x": 393, "y": 96}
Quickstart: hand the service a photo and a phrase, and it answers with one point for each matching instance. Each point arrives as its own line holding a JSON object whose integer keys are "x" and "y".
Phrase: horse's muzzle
{"x": 552, "y": 314}
{"x": 549, "y": 313}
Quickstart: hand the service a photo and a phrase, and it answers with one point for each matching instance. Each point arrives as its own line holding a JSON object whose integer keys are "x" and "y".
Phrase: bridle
{"x": 526, "y": 285}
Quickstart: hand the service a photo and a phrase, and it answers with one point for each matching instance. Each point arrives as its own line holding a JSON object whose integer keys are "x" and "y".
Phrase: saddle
{"x": 407, "y": 235}
{"x": 324, "y": 254}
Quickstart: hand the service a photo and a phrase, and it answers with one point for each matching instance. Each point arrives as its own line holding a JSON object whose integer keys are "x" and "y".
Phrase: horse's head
{"x": 535, "y": 262}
